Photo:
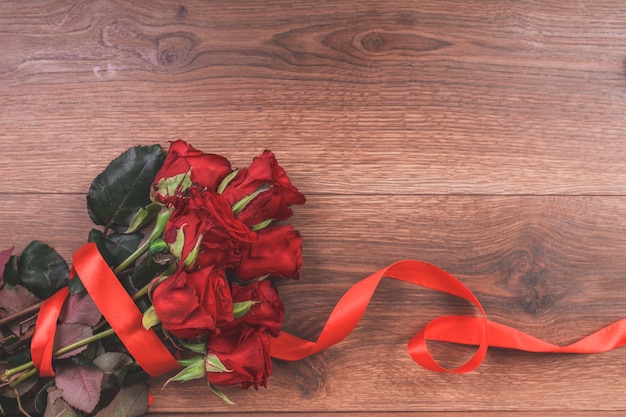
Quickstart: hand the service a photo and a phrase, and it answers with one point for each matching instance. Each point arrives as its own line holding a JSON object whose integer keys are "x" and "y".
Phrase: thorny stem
{"x": 29, "y": 366}
{"x": 11, "y": 317}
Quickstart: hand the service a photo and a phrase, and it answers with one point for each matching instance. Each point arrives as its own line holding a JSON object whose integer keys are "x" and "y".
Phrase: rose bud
{"x": 263, "y": 306}
{"x": 246, "y": 356}
{"x": 185, "y": 165}
{"x": 190, "y": 304}
{"x": 265, "y": 191}
{"x": 277, "y": 252}
{"x": 203, "y": 231}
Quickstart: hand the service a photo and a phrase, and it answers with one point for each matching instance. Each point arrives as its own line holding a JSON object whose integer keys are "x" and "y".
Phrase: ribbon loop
{"x": 476, "y": 331}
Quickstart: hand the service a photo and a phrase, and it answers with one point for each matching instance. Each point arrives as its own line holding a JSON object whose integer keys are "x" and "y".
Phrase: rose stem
{"x": 158, "y": 230}
{"x": 28, "y": 310}
{"x": 76, "y": 345}
{"x": 26, "y": 366}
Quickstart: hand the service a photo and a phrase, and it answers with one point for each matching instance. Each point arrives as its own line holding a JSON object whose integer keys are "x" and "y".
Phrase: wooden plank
{"x": 549, "y": 265}
{"x": 484, "y": 137}
{"x": 428, "y": 99}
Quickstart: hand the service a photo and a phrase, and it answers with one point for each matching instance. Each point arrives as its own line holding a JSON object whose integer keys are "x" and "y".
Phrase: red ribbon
{"x": 148, "y": 350}
{"x": 477, "y": 331}
{"x": 116, "y": 306}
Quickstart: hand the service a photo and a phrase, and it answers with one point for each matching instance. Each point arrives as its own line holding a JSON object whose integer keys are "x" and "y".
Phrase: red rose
{"x": 272, "y": 203}
{"x": 206, "y": 171}
{"x": 190, "y": 304}
{"x": 247, "y": 356}
{"x": 268, "y": 309}
{"x": 277, "y": 251}
{"x": 206, "y": 219}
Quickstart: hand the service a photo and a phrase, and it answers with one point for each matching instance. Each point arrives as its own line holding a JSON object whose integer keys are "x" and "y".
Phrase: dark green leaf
{"x": 116, "y": 247}
{"x": 145, "y": 271}
{"x": 41, "y": 399}
{"x": 19, "y": 357}
{"x": 134, "y": 376}
{"x": 124, "y": 186}
{"x": 42, "y": 270}
{"x": 75, "y": 285}
{"x": 11, "y": 274}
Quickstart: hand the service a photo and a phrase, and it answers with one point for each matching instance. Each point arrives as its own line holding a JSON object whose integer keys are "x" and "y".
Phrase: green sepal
{"x": 176, "y": 248}
{"x": 195, "y": 347}
{"x": 227, "y": 180}
{"x": 194, "y": 369}
{"x": 214, "y": 364}
{"x": 158, "y": 245}
{"x": 220, "y": 394}
{"x": 242, "y": 307}
{"x": 261, "y": 225}
{"x": 241, "y": 204}
{"x": 193, "y": 255}
{"x": 150, "y": 318}
{"x": 143, "y": 217}
{"x": 171, "y": 186}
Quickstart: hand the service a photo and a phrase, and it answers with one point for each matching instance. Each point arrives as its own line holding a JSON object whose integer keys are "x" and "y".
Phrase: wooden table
{"x": 486, "y": 137}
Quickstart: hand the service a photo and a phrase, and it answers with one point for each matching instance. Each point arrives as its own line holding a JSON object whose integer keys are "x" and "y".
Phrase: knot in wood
{"x": 373, "y": 42}
{"x": 174, "y": 50}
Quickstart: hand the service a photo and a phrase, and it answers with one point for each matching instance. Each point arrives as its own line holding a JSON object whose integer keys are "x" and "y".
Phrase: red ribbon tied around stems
{"x": 116, "y": 306}
{"x": 477, "y": 331}
{"x": 148, "y": 350}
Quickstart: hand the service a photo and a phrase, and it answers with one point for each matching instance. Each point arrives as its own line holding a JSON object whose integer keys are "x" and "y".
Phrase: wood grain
{"x": 484, "y": 137}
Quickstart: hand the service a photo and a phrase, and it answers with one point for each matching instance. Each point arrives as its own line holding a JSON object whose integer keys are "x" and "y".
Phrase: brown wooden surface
{"x": 487, "y": 137}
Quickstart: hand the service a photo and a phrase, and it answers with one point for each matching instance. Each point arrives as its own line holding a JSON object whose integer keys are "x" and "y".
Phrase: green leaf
{"x": 116, "y": 247}
{"x": 41, "y": 399}
{"x": 42, "y": 270}
{"x": 145, "y": 271}
{"x": 124, "y": 186}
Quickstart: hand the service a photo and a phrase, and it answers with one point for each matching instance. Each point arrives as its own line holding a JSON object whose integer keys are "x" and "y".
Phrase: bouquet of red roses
{"x": 178, "y": 278}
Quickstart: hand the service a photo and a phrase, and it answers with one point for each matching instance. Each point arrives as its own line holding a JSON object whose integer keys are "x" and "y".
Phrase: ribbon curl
{"x": 476, "y": 331}
{"x": 150, "y": 353}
